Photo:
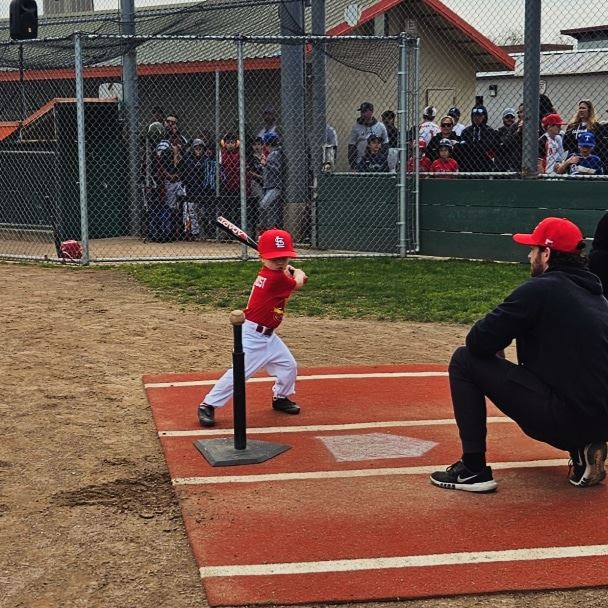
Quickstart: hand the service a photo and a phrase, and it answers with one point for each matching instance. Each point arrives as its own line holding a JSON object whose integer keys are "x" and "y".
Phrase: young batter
{"x": 265, "y": 309}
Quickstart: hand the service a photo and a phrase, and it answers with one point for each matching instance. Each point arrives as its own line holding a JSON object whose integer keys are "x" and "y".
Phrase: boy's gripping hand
{"x": 299, "y": 275}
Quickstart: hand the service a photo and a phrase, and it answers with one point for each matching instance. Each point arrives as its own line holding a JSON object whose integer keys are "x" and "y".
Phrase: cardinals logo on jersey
{"x": 278, "y": 313}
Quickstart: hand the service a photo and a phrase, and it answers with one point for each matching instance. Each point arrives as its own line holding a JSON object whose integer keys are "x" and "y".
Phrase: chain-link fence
{"x": 257, "y": 130}
{"x": 131, "y": 146}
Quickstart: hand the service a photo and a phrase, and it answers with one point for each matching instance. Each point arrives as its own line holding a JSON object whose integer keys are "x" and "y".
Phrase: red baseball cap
{"x": 557, "y": 233}
{"x": 552, "y": 120}
{"x": 276, "y": 243}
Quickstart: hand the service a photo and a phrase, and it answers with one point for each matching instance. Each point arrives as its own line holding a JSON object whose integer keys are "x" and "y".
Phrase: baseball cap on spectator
{"x": 553, "y": 120}
{"x": 429, "y": 112}
{"x": 270, "y": 138}
{"x": 276, "y": 243}
{"x": 366, "y": 106}
{"x": 196, "y": 143}
{"x": 374, "y": 137}
{"x": 558, "y": 233}
{"x": 508, "y": 112}
{"x": 454, "y": 112}
{"x": 586, "y": 139}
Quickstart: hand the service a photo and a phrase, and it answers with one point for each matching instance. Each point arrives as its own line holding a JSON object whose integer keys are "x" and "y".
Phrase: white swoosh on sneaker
{"x": 460, "y": 479}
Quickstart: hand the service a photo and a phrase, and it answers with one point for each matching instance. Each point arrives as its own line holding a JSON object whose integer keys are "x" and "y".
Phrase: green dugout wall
{"x": 464, "y": 218}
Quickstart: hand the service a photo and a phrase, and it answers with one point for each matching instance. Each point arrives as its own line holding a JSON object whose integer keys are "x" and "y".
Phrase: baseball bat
{"x": 234, "y": 231}
{"x": 240, "y": 235}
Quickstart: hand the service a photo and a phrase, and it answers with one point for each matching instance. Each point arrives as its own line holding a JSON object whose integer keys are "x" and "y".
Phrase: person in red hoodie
{"x": 424, "y": 162}
{"x": 445, "y": 163}
{"x": 230, "y": 178}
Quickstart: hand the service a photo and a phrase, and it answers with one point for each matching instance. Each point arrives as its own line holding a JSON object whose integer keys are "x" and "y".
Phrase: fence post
{"x": 402, "y": 111}
{"x": 82, "y": 149}
{"x": 319, "y": 100}
{"x": 130, "y": 101}
{"x": 293, "y": 95}
{"x": 531, "y": 88}
{"x": 242, "y": 135}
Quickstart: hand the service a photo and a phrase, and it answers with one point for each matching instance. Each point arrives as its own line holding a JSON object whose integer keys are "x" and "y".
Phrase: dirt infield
{"x": 88, "y": 517}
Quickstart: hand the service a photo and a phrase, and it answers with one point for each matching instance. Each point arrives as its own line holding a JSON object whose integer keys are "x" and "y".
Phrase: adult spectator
{"x": 505, "y": 152}
{"x": 428, "y": 128}
{"x": 584, "y": 119}
{"x": 269, "y": 118}
{"x": 271, "y": 215}
{"x": 478, "y": 143}
{"x": 365, "y": 126}
{"x": 454, "y": 112}
{"x": 550, "y": 145}
{"x": 392, "y": 157}
{"x": 375, "y": 158}
{"x": 558, "y": 391}
{"x": 195, "y": 174}
{"x": 582, "y": 162}
{"x": 446, "y": 131}
{"x": 598, "y": 257}
{"x": 170, "y": 153}
{"x": 256, "y": 161}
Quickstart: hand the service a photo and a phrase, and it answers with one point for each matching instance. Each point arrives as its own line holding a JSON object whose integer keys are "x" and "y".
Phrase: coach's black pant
{"x": 520, "y": 395}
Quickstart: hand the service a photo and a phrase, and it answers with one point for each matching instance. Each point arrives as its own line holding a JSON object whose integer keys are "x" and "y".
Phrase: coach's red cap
{"x": 557, "y": 233}
{"x": 276, "y": 243}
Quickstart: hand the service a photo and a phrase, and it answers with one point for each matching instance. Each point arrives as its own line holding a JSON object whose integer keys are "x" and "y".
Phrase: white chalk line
{"x": 406, "y": 561}
{"x": 307, "y": 377}
{"x": 319, "y": 428}
{"x": 344, "y": 474}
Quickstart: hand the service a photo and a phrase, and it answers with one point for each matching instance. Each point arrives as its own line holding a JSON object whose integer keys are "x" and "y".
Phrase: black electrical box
{"x": 23, "y": 16}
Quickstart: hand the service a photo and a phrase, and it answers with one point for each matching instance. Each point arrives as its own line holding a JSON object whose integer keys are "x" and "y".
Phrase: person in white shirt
{"x": 550, "y": 144}
{"x": 428, "y": 128}
{"x": 459, "y": 127}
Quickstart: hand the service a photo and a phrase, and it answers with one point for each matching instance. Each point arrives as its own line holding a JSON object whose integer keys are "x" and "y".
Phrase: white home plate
{"x": 375, "y": 446}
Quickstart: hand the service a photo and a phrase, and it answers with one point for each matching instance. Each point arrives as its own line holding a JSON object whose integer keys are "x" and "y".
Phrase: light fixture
{"x": 493, "y": 90}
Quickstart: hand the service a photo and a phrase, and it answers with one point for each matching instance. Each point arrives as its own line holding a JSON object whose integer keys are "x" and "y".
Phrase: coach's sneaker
{"x": 458, "y": 477}
{"x": 206, "y": 415}
{"x": 587, "y": 467}
{"x": 284, "y": 404}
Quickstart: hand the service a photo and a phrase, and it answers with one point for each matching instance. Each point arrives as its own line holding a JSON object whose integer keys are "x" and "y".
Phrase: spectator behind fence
{"x": 428, "y": 128}
{"x": 454, "y": 112}
{"x": 375, "y": 158}
{"x": 598, "y": 257}
{"x": 584, "y": 120}
{"x": 269, "y": 118}
{"x": 445, "y": 163}
{"x": 582, "y": 162}
{"x": 505, "y": 152}
{"x": 271, "y": 208}
{"x": 230, "y": 178}
{"x": 170, "y": 154}
{"x": 417, "y": 150}
{"x": 550, "y": 145}
{"x": 365, "y": 126}
{"x": 446, "y": 125}
{"x": 256, "y": 161}
{"x": 388, "y": 120}
{"x": 196, "y": 180}
{"x": 478, "y": 143}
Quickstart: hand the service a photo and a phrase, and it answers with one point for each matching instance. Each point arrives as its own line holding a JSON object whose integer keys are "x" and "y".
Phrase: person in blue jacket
{"x": 558, "y": 391}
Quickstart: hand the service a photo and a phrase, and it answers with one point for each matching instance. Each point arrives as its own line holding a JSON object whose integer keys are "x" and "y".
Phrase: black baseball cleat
{"x": 587, "y": 465}
{"x": 458, "y": 477}
{"x": 206, "y": 415}
{"x": 284, "y": 404}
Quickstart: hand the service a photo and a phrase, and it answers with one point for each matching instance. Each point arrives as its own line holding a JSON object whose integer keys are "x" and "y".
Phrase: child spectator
{"x": 230, "y": 178}
{"x": 445, "y": 164}
{"x": 583, "y": 163}
{"x": 375, "y": 158}
{"x": 388, "y": 120}
{"x": 264, "y": 313}
{"x": 424, "y": 162}
{"x": 550, "y": 145}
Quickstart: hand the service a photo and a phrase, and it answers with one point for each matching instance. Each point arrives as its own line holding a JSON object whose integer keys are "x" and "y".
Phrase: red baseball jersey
{"x": 269, "y": 294}
{"x": 444, "y": 165}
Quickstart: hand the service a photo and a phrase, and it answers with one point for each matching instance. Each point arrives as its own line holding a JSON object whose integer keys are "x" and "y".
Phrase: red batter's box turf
{"x": 305, "y": 527}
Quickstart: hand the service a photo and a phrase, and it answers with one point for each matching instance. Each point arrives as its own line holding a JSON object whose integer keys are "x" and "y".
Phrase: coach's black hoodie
{"x": 560, "y": 322}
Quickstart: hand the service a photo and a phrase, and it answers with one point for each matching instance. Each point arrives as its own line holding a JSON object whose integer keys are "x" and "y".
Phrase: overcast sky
{"x": 494, "y": 18}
